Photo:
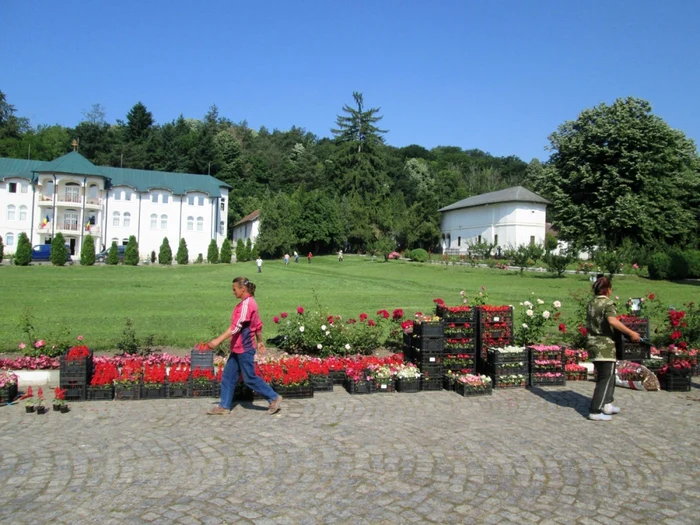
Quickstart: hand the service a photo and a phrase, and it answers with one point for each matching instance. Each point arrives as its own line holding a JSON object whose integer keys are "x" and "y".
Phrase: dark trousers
{"x": 604, "y": 385}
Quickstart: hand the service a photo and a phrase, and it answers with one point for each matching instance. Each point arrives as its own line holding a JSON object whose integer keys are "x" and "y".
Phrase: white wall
{"x": 507, "y": 224}
{"x": 21, "y": 204}
{"x": 248, "y": 230}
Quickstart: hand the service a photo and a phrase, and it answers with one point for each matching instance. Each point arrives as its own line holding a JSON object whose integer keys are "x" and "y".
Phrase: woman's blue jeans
{"x": 242, "y": 364}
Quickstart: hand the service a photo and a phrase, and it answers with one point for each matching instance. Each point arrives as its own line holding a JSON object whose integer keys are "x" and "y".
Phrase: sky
{"x": 497, "y": 75}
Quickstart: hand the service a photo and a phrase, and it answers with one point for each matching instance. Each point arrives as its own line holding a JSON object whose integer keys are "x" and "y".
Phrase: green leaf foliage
{"x": 213, "y": 253}
{"x": 59, "y": 254}
{"x": 2, "y": 249}
{"x": 166, "y": 254}
{"x": 182, "y": 256}
{"x": 241, "y": 254}
{"x": 87, "y": 251}
{"x": 23, "y": 253}
{"x": 225, "y": 255}
{"x": 113, "y": 255}
{"x": 418, "y": 255}
{"x": 131, "y": 253}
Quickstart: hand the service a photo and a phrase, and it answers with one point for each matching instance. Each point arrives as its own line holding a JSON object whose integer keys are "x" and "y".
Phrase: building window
{"x": 24, "y": 188}
{"x": 125, "y": 242}
{"x": 223, "y": 204}
{"x": 12, "y": 187}
{"x": 118, "y": 195}
{"x": 479, "y": 239}
{"x": 127, "y": 219}
{"x": 190, "y": 223}
{"x": 127, "y": 195}
{"x": 200, "y": 224}
{"x": 154, "y": 197}
{"x": 115, "y": 218}
{"x": 163, "y": 222}
{"x": 200, "y": 201}
{"x": 221, "y": 227}
{"x": 154, "y": 221}
{"x": 114, "y": 239}
{"x": 459, "y": 241}
{"x": 532, "y": 240}
{"x": 22, "y": 213}
{"x": 11, "y": 212}
{"x": 495, "y": 240}
{"x": 190, "y": 200}
{"x": 165, "y": 199}
{"x": 10, "y": 239}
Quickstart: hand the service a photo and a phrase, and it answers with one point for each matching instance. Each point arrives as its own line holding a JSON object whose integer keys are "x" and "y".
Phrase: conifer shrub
{"x": 113, "y": 255}
{"x": 213, "y": 253}
{"x": 182, "y": 256}
{"x": 131, "y": 253}
{"x": 166, "y": 254}
{"x": 59, "y": 254}
{"x": 87, "y": 251}
{"x": 23, "y": 254}
{"x": 225, "y": 256}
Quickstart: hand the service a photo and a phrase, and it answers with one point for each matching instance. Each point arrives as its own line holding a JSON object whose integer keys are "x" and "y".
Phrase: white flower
{"x": 557, "y": 304}
{"x": 323, "y": 327}
{"x": 540, "y": 301}
{"x": 521, "y": 304}
{"x": 461, "y": 293}
{"x": 524, "y": 325}
{"x": 301, "y": 328}
{"x": 528, "y": 304}
{"x": 530, "y": 313}
{"x": 347, "y": 346}
{"x": 328, "y": 332}
{"x": 546, "y": 314}
{"x": 319, "y": 346}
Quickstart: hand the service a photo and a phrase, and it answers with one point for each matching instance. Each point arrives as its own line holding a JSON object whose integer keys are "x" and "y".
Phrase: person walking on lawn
{"x": 245, "y": 330}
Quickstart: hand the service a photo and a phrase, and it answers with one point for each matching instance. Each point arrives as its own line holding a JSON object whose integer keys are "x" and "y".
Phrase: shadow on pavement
{"x": 567, "y": 398}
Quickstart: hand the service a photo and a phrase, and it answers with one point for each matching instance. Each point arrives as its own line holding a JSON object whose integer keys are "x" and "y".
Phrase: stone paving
{"x": 517, "y": 457}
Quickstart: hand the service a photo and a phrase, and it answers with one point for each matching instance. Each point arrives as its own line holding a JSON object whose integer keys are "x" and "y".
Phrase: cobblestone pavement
{"x": 518, "y": 457}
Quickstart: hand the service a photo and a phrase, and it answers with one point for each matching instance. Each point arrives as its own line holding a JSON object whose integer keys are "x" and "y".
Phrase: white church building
{"x": 72, "y": 196}
{"x": 507, "y": 218}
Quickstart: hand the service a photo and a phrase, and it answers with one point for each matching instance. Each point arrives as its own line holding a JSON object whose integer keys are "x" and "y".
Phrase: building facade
{"x": 247, "y": 228}
{"x": 72, "y": 196}
{"x": 506, "y": 218}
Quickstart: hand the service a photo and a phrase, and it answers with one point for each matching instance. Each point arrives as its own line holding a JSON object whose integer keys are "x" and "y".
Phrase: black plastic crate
{"x": 633, "y": 351}
{"x": 503, "y": 316}
{"x": 360, "y": 387}
{"x": 429, "y": 357}
{"x": 638, "y": 324}
{"x": 509, "y": 368}
{"x": 202, "y": 359}
{"x": 177, "y": 390}
{"x": 674, "y": 383}
{"x": 428, "y": 343}
{"x": 548, "y": 381}
{"x": 432, "y": 370}
{"x": 429, "y": 383}
{"x": 338, "y": 376}
{"x": 152, "y": 392}
{"x": 507, "y": 357}
{"x": 99, "y": 393}
{"x": 467, "y": 391}
{"x": 8, "y": 394}
{"x": 294, "y": 392}
{"x": 127, "y": 392}
{"x": 205, "y": 389}
{"x": 384, "y": 386}
{"x": 448, "y": 383}
{"x": 408, "y": 386}
{"x": 550, "y": 355}
{"x": 321, "y": 383}
{"x": 497, "y": 382}
{"x": 428, "y": 329}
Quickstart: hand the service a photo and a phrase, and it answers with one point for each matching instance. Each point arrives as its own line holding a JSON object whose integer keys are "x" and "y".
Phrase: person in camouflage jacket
{"x": 601, "y": 324}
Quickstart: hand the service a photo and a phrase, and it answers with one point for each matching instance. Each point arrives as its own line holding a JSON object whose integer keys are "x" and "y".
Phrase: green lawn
{"x": 183, "y": 305}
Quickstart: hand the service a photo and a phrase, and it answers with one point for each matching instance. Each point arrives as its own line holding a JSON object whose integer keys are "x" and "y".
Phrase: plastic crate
{"x": 205, "y": 389}
{"x": 428, "y": 383}
{"x": 99, "y": 393}
{"x": 550, "y": 355}
{"x": 408, "y": 386}
{"x": 360, "y": 387}
{"x": 202, "y": 359}
{"x": 507, "y": 357}
{"x": 8, "y": 394}
{"x": 634, "y": 352}
{"x": 467, "y": 391}
{"x": 428, "y": 329}
{"x": 429, "y": 357}
{"x": 577, "y": 376}
{"x": 509, "y": 368}
{"x": 674, "y": 383}
{"x": 177, "y": 390}
{"x": 127, "y": 392}
{"x": 321, "y": 383}
{"x": 448, "y": 383}
{"x": 547, "y": 381}
{"x": 294, "y": 392}
{"x": 338, "y": 376}
{"x": 432, "y": 371}
{"x": 497, "y": 383}
{"x": 503, "y": 316}
{"x": 428, "y": 343}
{"x": 153, "y": 392}
{"x": 385, "y": 386}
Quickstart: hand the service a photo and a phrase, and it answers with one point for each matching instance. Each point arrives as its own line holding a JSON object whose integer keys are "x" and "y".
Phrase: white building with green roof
{"x": 72, "y": 196}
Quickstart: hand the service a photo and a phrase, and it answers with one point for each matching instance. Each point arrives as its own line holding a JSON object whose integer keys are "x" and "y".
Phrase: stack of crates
{"x": 460, "y": 340}
{"x": 427, "y": 352}
{"x": 507, "y": 369}
{"x": 495, "y": 331}
{"x": 547, "y": 366}
{"x": 75, "y": 376}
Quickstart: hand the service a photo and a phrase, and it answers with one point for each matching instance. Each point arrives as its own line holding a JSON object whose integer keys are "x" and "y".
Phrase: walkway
{"x": 516, "y": 457}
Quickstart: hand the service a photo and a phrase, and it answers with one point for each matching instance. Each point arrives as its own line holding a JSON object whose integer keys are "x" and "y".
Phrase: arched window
{"x": 114, "y": 239}
{"x": 72, "y": 192}
{"x": 11, "y": 212}
{"x": 127, "y": 219}
{"x": 125, "y": 242}
{"x": 154, "y": 221}
{"x": 200, "y": 224}
{"x": 190, "y": 223}
{"x": 163, "y": 222}
{"x": 22, "y": 213}
{"x": 92, "y": 191}
{"x": 115, "y": 218}
{"x": 10, "y": 239}
{"x": 221, "y": 227}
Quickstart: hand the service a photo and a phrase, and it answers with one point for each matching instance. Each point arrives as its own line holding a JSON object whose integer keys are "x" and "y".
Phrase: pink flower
{"x": 40, "y": 343}
{"x": 22, "y": 346}
{"x": 276, "y": 319}
{"x": 80, "y": 338}
{"x": 283, "y": 315}
{"x": 300, "y": 310}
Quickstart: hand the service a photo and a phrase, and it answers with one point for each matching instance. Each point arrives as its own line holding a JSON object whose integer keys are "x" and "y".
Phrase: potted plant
{"x": 59, "y": 398}
{"x": 294, "y": 383}
{"x": 8, "y": 386}
{"x": 30, "y": 403}
{"x": 102, "y": 382}
{"x": 40, "y": 404}
{"x": 408, "y": 378}
{"x": 473, "y": 385}
{"x": 178, "y": 381}
{"x": 204, "y": 383}
{"x": 127, "y": 386}
{"x": 384, "y": 377}
{"x": 153, "y": 381}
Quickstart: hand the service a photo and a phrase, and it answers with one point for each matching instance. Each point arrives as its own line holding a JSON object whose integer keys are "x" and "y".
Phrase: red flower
{"x": 330, "y": 319}
{"x": 363, "y": 317}
{"x": 651, "y": 296}
{"x": 275, "y": 319}
{"x": 383, "y": 313}
{"x": 582, "y": 330}
{"x": 562, "y": 328}
{"x": 371, "y": 322}
{"x": 77, "y": 352}
{"x": 300, "y": 310}
{"x": 397, "y": 314}
{"x": 283, "y": 315}
{"x": 676, "y": 335}
{"x": 350, "y": 321}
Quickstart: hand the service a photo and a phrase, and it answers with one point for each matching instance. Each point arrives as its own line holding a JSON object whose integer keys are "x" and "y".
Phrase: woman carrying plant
{"x": 601, "y": 323}
{"x": 245, "y": 330}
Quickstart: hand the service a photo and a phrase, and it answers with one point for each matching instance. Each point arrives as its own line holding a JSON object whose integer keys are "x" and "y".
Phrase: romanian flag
{"x": 87, "y": 225}
{"x": 45, "y": 221}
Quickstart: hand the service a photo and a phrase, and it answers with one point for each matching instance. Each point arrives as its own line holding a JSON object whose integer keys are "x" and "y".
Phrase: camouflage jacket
{"x": 601, "y": 342}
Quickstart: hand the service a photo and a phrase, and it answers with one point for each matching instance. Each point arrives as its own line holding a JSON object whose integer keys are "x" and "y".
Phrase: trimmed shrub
{"x": 59, "y": 254}
{"x": 609, "y": 261}
{"x": 113, "y": 255}
{"x": 240, "y": 251}
{"x": 166, "y": 254}
{"x": 131, "y": 253}
{"x": 213, "y": 253}
{"x": 2, "y": 249}
{"x": 249, "y": 250}
{"x": 87, "y": 251}
{"x": 182, "y": 256}
{"x": 23, "y": 254}
{"x": 225, "y": 256}
{"x": 200, "y": 259}
{"x": 418, "y": 255}
{"x": 659, "y": 266}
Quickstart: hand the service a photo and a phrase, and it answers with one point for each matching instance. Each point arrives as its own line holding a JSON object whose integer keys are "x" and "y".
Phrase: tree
{"x": 59, "y": 254}
{"x": 139, "y": 122}
{"x": 23, "y": 253}
{"x": 240, "y": 251}
{"x": 225, "y": 256}
{"x": 557, "y": 263}
{"x": 248, "y": 249}
{"x": 550, "y": 243}
{"x": 165, "y": 256}
{"x": 213, "y": 253}
{"x": 113, "y": 255}
{"x": 278, "y": 222}
{"x": 2, "y": 249}
{"x": 621, "y": 172}
{"x": 182, "y": 256}
{"x": 87, "y": 251}
{"x": 131, "y": 253}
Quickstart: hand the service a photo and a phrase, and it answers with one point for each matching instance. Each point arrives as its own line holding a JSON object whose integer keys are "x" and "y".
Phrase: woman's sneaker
{"x": 610, "y": 409}
{"x": 599, "y": 417}
{"x": 275, "y": 405}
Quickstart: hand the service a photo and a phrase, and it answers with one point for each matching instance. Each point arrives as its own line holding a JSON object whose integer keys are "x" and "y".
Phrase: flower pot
{"x": 57, "y": 408}
{"x": 29, "y": 409}
{"x": 41, "y": 410}
{"x": 65, "y": 409}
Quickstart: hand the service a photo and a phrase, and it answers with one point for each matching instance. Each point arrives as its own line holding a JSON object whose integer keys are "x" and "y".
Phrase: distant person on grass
{"x": 601, "y": 323}
{"x": 340, "y": 256}
{"x": 296, "y": 256}
{"x": 259, "y": 261}
{"x": 286, "y": 259}
{"x": 309, "y": 257}
{"x": 245, "y": 330}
